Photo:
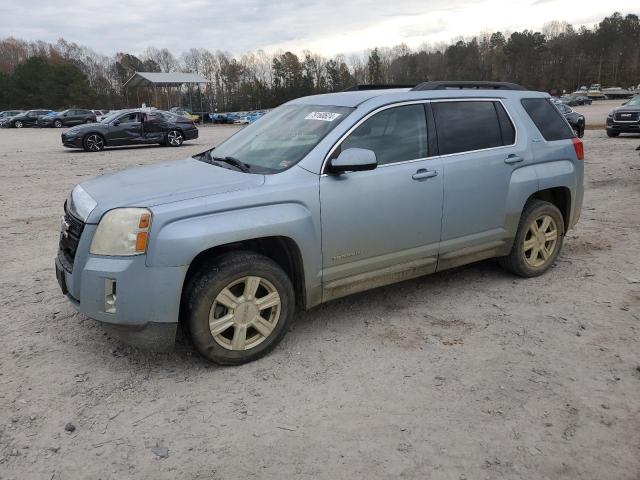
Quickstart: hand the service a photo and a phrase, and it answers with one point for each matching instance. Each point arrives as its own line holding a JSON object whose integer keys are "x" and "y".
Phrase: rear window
{"x": 547, "y": 118}
{"x": 472, "y": 125}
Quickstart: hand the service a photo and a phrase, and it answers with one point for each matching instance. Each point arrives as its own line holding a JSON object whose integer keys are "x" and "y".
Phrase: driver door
{"x": 383, "y": 225}
{"x": 126, "y": 129}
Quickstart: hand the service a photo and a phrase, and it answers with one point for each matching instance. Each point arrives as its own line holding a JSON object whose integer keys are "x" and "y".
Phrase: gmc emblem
{"x": 625, "y": 115}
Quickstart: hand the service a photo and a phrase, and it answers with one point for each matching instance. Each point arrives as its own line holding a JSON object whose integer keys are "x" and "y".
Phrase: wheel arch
{"x": 558, "y": 196}
{"x": 281, "y": 249}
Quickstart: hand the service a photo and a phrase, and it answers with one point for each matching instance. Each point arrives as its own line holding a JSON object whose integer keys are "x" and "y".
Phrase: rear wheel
{"x": 538, "y": 240}
{"x": 239, "y": 307}
{"x": 57, "y": 124}
{"x": 174, "y": 138}
{"x": 93, "y": 142}
{"x": 18, "y": 124}
{"x": 611, "y": 133}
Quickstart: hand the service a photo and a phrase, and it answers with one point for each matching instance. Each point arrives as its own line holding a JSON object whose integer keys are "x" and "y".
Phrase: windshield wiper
{"x": 243, "y": 167}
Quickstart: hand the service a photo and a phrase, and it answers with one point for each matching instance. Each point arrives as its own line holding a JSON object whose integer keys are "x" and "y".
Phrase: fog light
{"x": 109, "y": 295}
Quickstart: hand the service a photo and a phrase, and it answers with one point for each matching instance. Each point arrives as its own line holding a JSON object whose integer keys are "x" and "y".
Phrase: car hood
{"x": 78, "y": 129}
{"x": 628, "y": 108}
{"x": 164, "y": 183}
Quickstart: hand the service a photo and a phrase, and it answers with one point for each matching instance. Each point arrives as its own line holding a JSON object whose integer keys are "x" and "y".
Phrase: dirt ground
{"x": 467, "y": 374}
{"x": 595, "y": 115}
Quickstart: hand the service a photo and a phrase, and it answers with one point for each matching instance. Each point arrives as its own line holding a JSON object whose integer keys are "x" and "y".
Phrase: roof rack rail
{"x": 481, "y": 85}
{"x": 356, "y": 88}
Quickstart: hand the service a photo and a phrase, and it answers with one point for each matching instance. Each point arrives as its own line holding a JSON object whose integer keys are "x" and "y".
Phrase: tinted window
{"x": 130, "y": 117}
{"x": 467, "y": 126}
{"x": 507, "y": 128}
{"x": 395, "y": 134}
{"x": 547, "y": 118}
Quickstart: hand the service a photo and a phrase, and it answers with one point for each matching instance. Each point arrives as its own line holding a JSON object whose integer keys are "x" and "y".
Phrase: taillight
{"x": 578, "y": 146}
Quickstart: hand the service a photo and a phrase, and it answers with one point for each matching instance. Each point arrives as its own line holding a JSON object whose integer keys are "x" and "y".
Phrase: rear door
{"x": 479, "y": 152}
{"x": 383, "y": 225}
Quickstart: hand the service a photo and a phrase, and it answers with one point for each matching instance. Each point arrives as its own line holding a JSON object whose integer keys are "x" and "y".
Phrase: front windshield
{"x": 634, "y": 101}
{"x": 282, "y": 137}
{"x": 109, "y": 117}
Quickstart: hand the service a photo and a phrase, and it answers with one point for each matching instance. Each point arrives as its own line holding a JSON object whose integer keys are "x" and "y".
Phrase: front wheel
{"x": 239, "y": 307}
{"x": 57, "y": 124}
{"x": 538, "y": 240}
{"x": 93, "y": 142}
{"x": 18, "y": 124}
{"x": 174, "y": 138}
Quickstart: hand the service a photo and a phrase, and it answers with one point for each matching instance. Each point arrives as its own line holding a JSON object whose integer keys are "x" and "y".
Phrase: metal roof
{"x": 162, "y": 79}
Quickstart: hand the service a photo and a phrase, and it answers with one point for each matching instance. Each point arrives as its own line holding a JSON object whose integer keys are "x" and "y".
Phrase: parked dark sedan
{"x": 10, "y": 113}
{"x": 576, "y": 120}
{"x": 131, "y": 127}
{"x": 25, "y": 119}
{"x": 67, "y": 118}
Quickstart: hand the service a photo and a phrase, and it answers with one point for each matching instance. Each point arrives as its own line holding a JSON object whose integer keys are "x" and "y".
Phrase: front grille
{"x": 70, "y": 232}
{"x": 626, "y": 116}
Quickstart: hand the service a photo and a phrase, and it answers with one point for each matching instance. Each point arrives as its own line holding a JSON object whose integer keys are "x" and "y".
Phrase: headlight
{"x": 80, "y": 203}
{"x": 610, "y": 115}
{"x": 122, "y": 231}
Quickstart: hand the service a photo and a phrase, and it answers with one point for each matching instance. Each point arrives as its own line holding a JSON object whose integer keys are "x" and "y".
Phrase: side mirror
{"x": 116, "y": 123}
{"x": 353, "y": 160}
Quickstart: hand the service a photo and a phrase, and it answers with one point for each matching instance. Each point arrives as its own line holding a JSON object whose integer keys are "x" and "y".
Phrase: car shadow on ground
{"x": 309, "y": 326}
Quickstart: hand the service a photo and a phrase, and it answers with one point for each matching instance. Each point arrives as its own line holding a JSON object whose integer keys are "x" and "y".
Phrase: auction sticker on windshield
{"x": 324, "y": 116}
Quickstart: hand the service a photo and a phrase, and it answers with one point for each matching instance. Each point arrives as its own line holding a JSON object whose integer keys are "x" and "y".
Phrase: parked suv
{"x": 326, "y": 196}
{"x": 67, "y": 118}
{"x": 624, "y": 119}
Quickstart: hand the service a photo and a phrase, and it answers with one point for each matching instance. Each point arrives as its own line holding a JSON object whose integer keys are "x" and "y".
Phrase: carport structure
{"x": 165, "y": 80}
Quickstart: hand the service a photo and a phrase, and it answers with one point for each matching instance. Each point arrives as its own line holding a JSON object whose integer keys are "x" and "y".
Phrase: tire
{"x": 18, "y": 124}
{"x": 93, "y": 142}
{"x": 174, "y": 138}
{"x": 57, "y": 124}
{"x": 580, "y": 131}
{"x": 520, "y": 260}
{"x": 611, "y": 133}
{"x": 230, "y": 273}
{"x": 88, "y": 120}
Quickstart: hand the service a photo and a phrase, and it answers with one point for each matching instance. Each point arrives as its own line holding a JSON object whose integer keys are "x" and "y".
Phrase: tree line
{"x": 36, "y": 74}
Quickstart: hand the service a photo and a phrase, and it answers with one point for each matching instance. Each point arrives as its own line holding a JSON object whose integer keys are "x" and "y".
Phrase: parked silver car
{"x": 326, "y": 196}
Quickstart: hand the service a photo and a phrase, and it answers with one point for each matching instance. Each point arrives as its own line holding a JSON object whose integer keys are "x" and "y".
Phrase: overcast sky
{"x": 324, "y": 26}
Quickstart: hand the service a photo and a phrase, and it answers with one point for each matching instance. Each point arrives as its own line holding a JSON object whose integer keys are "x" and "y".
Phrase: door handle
{"x": 423, "y": 173}
{"x": 513, "y": 159}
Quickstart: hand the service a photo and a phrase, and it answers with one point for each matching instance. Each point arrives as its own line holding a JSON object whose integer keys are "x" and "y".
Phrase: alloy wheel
{"x": 244, "y": 313}
{"x": 95, "y": 143}
{"x": 57, "y": 124}
{"x": 175, "y": 138}
{"x": 18, "y": 124}
{"x": 540, "y": 241}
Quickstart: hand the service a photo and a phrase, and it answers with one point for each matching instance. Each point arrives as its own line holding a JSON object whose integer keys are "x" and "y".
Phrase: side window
{"x": 473, "y": 125}
{"x": 395, "y": 134}
{"x": 547, "y": 118}
{"x": 130, "y": 117}
{"x": 506, "y": 126}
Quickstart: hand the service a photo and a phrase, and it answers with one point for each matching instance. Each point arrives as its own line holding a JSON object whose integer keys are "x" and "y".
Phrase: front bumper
{"x": 71, "y": 141}
{"x": 623, "y": 127}
{"x": 147, "y": 299}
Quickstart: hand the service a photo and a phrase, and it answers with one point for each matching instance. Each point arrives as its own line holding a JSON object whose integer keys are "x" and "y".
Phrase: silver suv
{"x": 322, "y": 197}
